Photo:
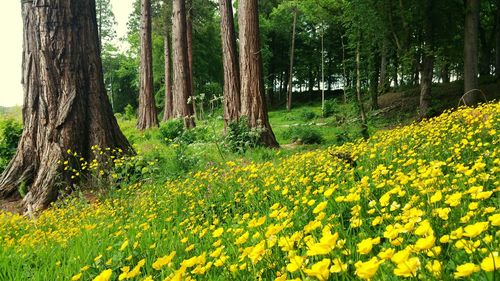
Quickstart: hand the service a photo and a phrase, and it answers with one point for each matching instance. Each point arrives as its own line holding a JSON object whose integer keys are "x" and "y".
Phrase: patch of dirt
{"x": 11, "y": 206}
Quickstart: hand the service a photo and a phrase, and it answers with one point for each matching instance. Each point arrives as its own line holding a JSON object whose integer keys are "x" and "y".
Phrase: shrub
{"x": 9, "y": 138}
{"x": 329, "y": 108}
{"x": 240, "y": 136}
{"x": 303, "y": 135}
{"x": 172, "y": 130}
{"x": 129, "y": 112}
{"x": 307, "y": 115}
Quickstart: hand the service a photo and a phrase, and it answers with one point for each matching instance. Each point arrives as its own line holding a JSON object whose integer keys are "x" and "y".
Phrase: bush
{"x": 329, "y": 108}
{"x": 172, "y": 130}
{"x": 240, "y": 136}
{"x": 9, "y": 138}
{"x": 303, "y": 135}
{"x": 308, "y": 115}
{"x": 129, "y": 112}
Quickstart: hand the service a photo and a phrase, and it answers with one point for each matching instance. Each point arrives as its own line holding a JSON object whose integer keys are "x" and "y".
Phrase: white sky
{"x": 11, "y": 31}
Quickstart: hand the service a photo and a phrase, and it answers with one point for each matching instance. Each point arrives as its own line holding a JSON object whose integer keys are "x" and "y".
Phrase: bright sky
{"x": 11, "y": 30}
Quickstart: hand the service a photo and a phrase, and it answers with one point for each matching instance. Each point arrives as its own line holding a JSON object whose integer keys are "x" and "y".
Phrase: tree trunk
{"x": 182, "y": 89}
{"x": 395, "y": 79}
{"x": 471, "y": 51}
{"x": 426, "y": 84}
{"x": 147, "y": 109}
{"x": 382, "y": 83}
{"x": 374, "y": 80}
{"x": 253, "y": 104}
{"x": 232, "y": 103}
{"x": 292, "y": 51}
{"x": 364, "y": 125}
{"x": 168, "y": 112}
{"x": 189, "y": 30}
{"x": 497, "y": 45}
{"x": 65, "y": 103}
{"x": 445, "y": 72}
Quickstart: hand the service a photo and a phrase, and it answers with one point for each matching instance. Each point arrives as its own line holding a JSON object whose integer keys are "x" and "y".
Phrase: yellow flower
{"x": 495, "y": 219}
{"x": 320, "y": 207}
{"x": 368, "y": 269}
{"x": 124, "y": 245}
{"x": 319, "y": 270}
{"x": 424, "y": 228}
{"x": 127, "y": 273}
{"x": 434, "y": 267}
{"x": 325, "y": 245}
{"x": 476, "y": 229}
{"x": 491, "y": 262}
{"x": 366, "y": 245}
{"x": 436, "y": 197}
{"x": 104, "y": 276}
{"x": 242, "y": 239}
{"x": 76, "y": 277}
{"x": 338, "y": 266}
{"x": 425, "y": 243}
{"x": 400, "y": 256}
{"x": 295, "y": 263}
{"x": 386, "y": 254}
{"x": 161, "y": 262}
{"x": 465, "y": 270}
{"x": 408, "y": 268}
{"x": 218, "y": 232}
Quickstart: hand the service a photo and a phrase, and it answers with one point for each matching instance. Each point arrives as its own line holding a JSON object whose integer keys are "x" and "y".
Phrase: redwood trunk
{"x": 168, "y": 109}
{"x": 497, "y": 45}
{"x": 471, "y": 51}
{"x": 364, "y": 125}
{"x": 232, "y": 103}
{"x": 426, "y": 84}
{"x": 292, "y": 51}
{"x": 182, "y": 86}
{"x": 253, "y": 104}
{"x": 189, "y": 30}
{"x": 382, "y": 84}
{"x": 65, "y": 103}
{"x": 147, "y": 108}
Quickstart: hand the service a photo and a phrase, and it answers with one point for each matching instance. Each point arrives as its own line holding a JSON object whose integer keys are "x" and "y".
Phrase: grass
{"x": 419, "y": 201}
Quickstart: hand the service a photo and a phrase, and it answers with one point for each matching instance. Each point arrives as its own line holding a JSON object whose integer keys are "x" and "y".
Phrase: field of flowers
{"x": 419, "y": 202}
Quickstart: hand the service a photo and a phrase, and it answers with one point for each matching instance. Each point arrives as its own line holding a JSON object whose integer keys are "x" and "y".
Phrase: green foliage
{"x": 10, "y": 134}
{"x": 303, "y": 135}
{"x": 241, "y": 137}
{"x": 308, "y": 115}
{"x": 129, "y": 112}
{"x": 171, "y": 130}
{"x": 329, "y": 108}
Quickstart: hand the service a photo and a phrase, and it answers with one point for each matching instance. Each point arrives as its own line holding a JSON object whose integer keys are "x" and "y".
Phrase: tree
{"x": 105, "y": 22}
{"x": 232, "y": 103}
{"x": 253, "y": 104}
{"x": 65, "y": 106}
{"x": 147, "y": 109}
{"x": 182, "y": 85}
{"x": 427, "y": 65}
{"x": 290, "y": 72}
{"x": 168, "y": 111}
{"x": 471, "y": 51}
{"x": 497, "y": 44}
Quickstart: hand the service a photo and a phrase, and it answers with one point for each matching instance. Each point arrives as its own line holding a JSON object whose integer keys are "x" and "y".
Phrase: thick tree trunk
{"x": 471, "y": 51}
{"x": 364, "y": 125}
{"x": 426, "y": 84}
{"x": 232, "y": 103}
{"x": 445, "y": 72}
{"x": 189, "y": 34}
{"x": 147, "y": 109}
{"x": 65, "y": 103}
{"x": 292, "y": 51}
{"x": 182, "y": 89}
{"x": 485, "y": 53}
{"x": 253, "y": 104}
{"x": 168, "y": 111}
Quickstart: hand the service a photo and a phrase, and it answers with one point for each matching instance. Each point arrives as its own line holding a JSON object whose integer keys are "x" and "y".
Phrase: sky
{"x": 11, "y": 32}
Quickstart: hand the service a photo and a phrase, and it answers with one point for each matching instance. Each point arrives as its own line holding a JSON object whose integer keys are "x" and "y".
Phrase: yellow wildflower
{"x": 368, "y": 269}
{"x": 465, "y": 270}
{"x": 319, "y": 270}
{"x": 104, "y": 276}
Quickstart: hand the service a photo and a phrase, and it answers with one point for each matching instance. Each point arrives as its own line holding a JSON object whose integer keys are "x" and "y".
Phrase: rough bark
{"x": 168, "y": 111}
{"x": 374, "y": 80}
{"x": 189, "y": 34}
{"x": 147, "y": 109}
{"x": 253, "y": 104}
{"x": 232, "y": 103}
{"x": 497, "y": 44}
{"x": 426, "y": 84}
{"x": 182, "y": 86}
{"x": 382, "y": 83}
{"x": 471, "y": 51}
{"x": 65, "y": 103}
{"x": 364, "y": 125}
{"x": 292, "y": 51}
{"x": 445, "y": 72}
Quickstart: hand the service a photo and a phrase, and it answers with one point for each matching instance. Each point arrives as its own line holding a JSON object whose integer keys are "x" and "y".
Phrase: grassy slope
{"x": 236, "y": 222}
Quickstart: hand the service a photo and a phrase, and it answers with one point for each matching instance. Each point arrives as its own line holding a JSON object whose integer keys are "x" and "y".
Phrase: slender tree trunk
{"x": 485, "y": 53}
{"x": 374, "y": 80}
{"x": 382, "y": 83}
{"x": 253, "y": 104}
{"x": 322, "y": 85}
{"x": 445, "y": 72}
{"x": 497, "y": 44}
{"x": 65, "y": 103}
{"x": 292, "y": 51}
{"x": 395, "y": 79}
{"x": 181, "y": 85}
{"x": 168, "y": 112}
{"x": 364, "y": 125}
{"x": 189, "y": 30}
{"x": 147, "y": 108}
{"x": 344, "y": 70}
{"x": 232, "y": 103}
{"x": 471, "y": 51}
